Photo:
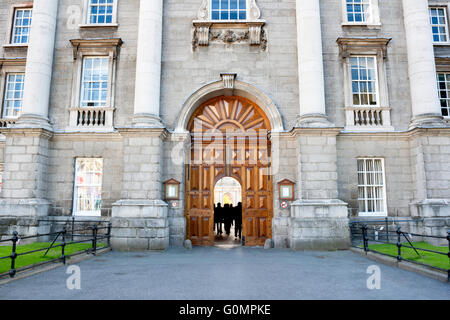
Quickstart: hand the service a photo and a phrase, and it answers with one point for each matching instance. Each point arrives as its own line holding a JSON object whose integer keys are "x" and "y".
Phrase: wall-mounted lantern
{"x": 172, "y": 190}
{"x": 286, "y": 190}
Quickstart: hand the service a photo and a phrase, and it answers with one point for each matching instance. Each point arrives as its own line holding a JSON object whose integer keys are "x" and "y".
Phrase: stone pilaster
{"x": 421, "y": 64}
{"x": 310, "y": 65}
{"x": 140, "y": 218}
{"x": 148, "y": 64}
{"x": 38, "y": 73}
{"x": 318, "y": 219}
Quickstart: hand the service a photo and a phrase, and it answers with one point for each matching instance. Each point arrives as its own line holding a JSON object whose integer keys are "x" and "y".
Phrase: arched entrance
{"x": 229, "y": 138}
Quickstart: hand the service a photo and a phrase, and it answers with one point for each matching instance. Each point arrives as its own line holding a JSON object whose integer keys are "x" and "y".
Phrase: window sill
{"x": 441, "y": 44}
{"x": 15, "y": 45}
{"x": 98, "y": 25}
{"x": 372, "y": 214}
{"x": 87, "y": 214}
{"x": 362, "y": 25}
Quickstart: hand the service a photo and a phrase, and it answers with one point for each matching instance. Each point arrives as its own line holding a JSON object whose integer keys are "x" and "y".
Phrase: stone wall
{"x": 65, "y": 149}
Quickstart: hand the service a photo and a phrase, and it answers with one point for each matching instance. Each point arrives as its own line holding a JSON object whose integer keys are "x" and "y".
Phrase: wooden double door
{"x": 246, "y": 158}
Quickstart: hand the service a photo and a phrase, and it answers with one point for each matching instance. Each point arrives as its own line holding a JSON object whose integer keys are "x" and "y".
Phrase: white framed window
{"x": 439, "y": 24}
{"x": 101, "y": 11}
{"x": 361, "y": 12}
{"x": 21, "y": 25}
{"x": 94, "y": 82}
{"x": 364, "y": 81}
{"x": 443, "y": 82}
{"x": 358, "y": 10}
{"x": 228, "y": 9}
{"x": 13, "y": 95}
{"x": 371, "y": 187}
{"x": 87, "y": 200}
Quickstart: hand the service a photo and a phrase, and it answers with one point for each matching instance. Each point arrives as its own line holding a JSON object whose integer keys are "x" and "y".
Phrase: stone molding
{"x": 96, "y": 44}
{"x": 348, "y": 46}
{"x": 242, "y": 89}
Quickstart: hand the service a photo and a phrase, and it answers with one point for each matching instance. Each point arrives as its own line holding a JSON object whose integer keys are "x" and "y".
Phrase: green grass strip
{"x": 430, "y": 258}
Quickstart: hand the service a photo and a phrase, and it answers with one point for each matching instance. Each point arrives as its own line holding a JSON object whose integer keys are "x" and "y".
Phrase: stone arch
{"x": 241, "y": 89}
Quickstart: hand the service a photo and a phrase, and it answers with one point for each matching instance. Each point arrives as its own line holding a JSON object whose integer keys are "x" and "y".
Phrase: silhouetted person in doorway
{"x": 238, "y": 220}
{"x": 218, "y": 218}
{"x": 227, "y": 218}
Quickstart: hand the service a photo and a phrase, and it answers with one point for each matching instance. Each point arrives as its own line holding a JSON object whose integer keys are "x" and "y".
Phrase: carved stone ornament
{"x": 228, "y": 80}
{"x": 207, "y": 30}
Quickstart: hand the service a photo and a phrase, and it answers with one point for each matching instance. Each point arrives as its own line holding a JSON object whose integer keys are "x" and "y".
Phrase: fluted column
{"x": 310, "y": 65}
{"x": 421, "y": 64}
{"x": 38, "y": 72}
{"x": 148, "y": 64}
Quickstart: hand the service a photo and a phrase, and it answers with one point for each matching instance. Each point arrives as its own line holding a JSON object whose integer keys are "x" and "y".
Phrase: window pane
{"x": 371, "y": 186}
{"x": 88, "y": 186}
{"x": 358, "y": 10}
{"x": 95, "y": 75}
{"x": 12, "y": 105}
{"x": 100, "y": 11}
{"x": 364, "y": 79}
{"x": 21, "y": 26}
{"x": 443, "y": 83}
{"x": 228, "y": 9}
{"x": 439, "y": 25}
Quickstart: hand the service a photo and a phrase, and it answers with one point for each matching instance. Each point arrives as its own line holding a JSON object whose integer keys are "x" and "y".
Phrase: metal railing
{"x": 89, "y": 234}
{"x": 360, "y": 231}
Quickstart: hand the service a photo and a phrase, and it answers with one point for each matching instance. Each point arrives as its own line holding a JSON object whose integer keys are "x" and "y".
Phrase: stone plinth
{"x": 319, "y": 225}
{"x": 140, "y": 225}
{"x": 436, "y": 219}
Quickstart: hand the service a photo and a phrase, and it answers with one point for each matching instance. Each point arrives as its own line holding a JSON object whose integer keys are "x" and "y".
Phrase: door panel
{"x": 238, "y": 155}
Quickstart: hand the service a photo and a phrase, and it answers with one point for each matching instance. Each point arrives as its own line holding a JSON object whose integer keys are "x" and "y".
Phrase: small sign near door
{"x": 284, "y": 205}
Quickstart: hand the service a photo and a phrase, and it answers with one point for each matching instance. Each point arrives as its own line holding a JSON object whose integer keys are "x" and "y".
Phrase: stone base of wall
{"x": 177, "y": 227}
{"x": 280, "y": 232}
{"x": 140, "y": 225}
{"x": 436, "y": 219}
{"x": 319, "y": 225}
{"x": 24, "y": 207}
{"x": 25, "y": 226}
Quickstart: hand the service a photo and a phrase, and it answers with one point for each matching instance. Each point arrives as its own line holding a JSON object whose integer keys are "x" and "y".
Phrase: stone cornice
{"x": 402, "y": 134}
{"x": 347, "y": 45}
{"x": 113, "y": 43}
{"x": 27, "y": 132}
{"x": 136, "y": 131}
{"x": 13, "y": 61}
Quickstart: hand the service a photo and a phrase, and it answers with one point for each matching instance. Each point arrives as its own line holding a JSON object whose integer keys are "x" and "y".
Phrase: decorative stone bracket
{"x": 207, "y": 30}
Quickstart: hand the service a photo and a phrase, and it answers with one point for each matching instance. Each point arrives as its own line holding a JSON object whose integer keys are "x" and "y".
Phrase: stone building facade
{"x": 98, "y": 96}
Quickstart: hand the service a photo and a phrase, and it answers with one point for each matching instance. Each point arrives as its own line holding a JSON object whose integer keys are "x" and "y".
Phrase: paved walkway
{"x": 217, "y": 273}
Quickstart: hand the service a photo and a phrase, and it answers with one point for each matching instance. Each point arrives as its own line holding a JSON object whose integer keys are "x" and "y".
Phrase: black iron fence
{"x": 365, "y": 233}
{"x": 86, "y": 234}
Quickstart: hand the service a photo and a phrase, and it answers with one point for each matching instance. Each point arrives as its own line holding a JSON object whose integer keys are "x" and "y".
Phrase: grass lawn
{"x": 32, "y": 258}
{"x": 433, "y": 259}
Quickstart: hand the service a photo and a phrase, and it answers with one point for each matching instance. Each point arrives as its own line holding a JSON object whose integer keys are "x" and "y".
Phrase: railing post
{"x": 399, "y": 243}
{"x": 73, "y": 226}
{"x": 364, "y": 232}
{"x": 94, "y": 239}
{"x": 63, "y": 245}
{"x": 387, "y": 228}
{"x": 15, "y": 238}
{"x": 448, "y": 254}
{"x": 109, "y": 234}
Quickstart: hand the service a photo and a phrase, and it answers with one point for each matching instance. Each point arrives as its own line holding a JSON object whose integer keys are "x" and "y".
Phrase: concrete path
{"x": 217, "y": 273}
